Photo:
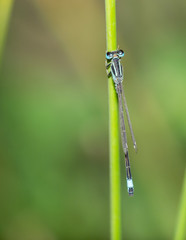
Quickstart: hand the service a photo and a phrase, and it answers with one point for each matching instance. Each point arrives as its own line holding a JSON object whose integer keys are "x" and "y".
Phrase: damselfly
{"x": 116, "y": 72}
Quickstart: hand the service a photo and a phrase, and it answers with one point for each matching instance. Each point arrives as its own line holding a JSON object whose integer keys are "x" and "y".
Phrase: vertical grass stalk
{"x": 5, "y": 12}
{"x": 115, "y": 211}
{"x": 181, "y": 222}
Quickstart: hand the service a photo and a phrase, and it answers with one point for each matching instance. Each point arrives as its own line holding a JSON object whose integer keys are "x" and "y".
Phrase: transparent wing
{"x": 130, "y": 186}
{"x": 129, "y": 121}
{"x": 121, "y": 117}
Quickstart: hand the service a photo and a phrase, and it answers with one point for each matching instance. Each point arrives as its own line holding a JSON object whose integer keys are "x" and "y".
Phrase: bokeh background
{"x": 54, "y": 162}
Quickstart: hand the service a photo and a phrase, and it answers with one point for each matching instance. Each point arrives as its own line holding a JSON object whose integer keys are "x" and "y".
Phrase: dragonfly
{"x": 114, "y": 69}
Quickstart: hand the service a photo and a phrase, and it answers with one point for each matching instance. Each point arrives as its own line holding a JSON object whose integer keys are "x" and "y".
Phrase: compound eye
{"x": 121, "y": 53}
{"x": 109, "y": 55}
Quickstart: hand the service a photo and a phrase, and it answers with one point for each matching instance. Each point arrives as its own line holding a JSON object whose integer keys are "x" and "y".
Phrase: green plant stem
{"x": 181, "y": 223}
{"x": 5, "y": 12}
{"x": 115, "y": 211}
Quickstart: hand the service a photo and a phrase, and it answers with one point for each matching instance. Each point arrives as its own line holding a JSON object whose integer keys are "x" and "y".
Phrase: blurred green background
{"x": 54, "y": 163}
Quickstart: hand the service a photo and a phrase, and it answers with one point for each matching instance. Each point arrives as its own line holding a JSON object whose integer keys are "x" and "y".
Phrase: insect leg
{"x": 107, "y": 65}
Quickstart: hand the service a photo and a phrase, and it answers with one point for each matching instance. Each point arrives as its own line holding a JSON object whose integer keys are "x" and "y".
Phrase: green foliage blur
{"x": 54, "y": 162}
